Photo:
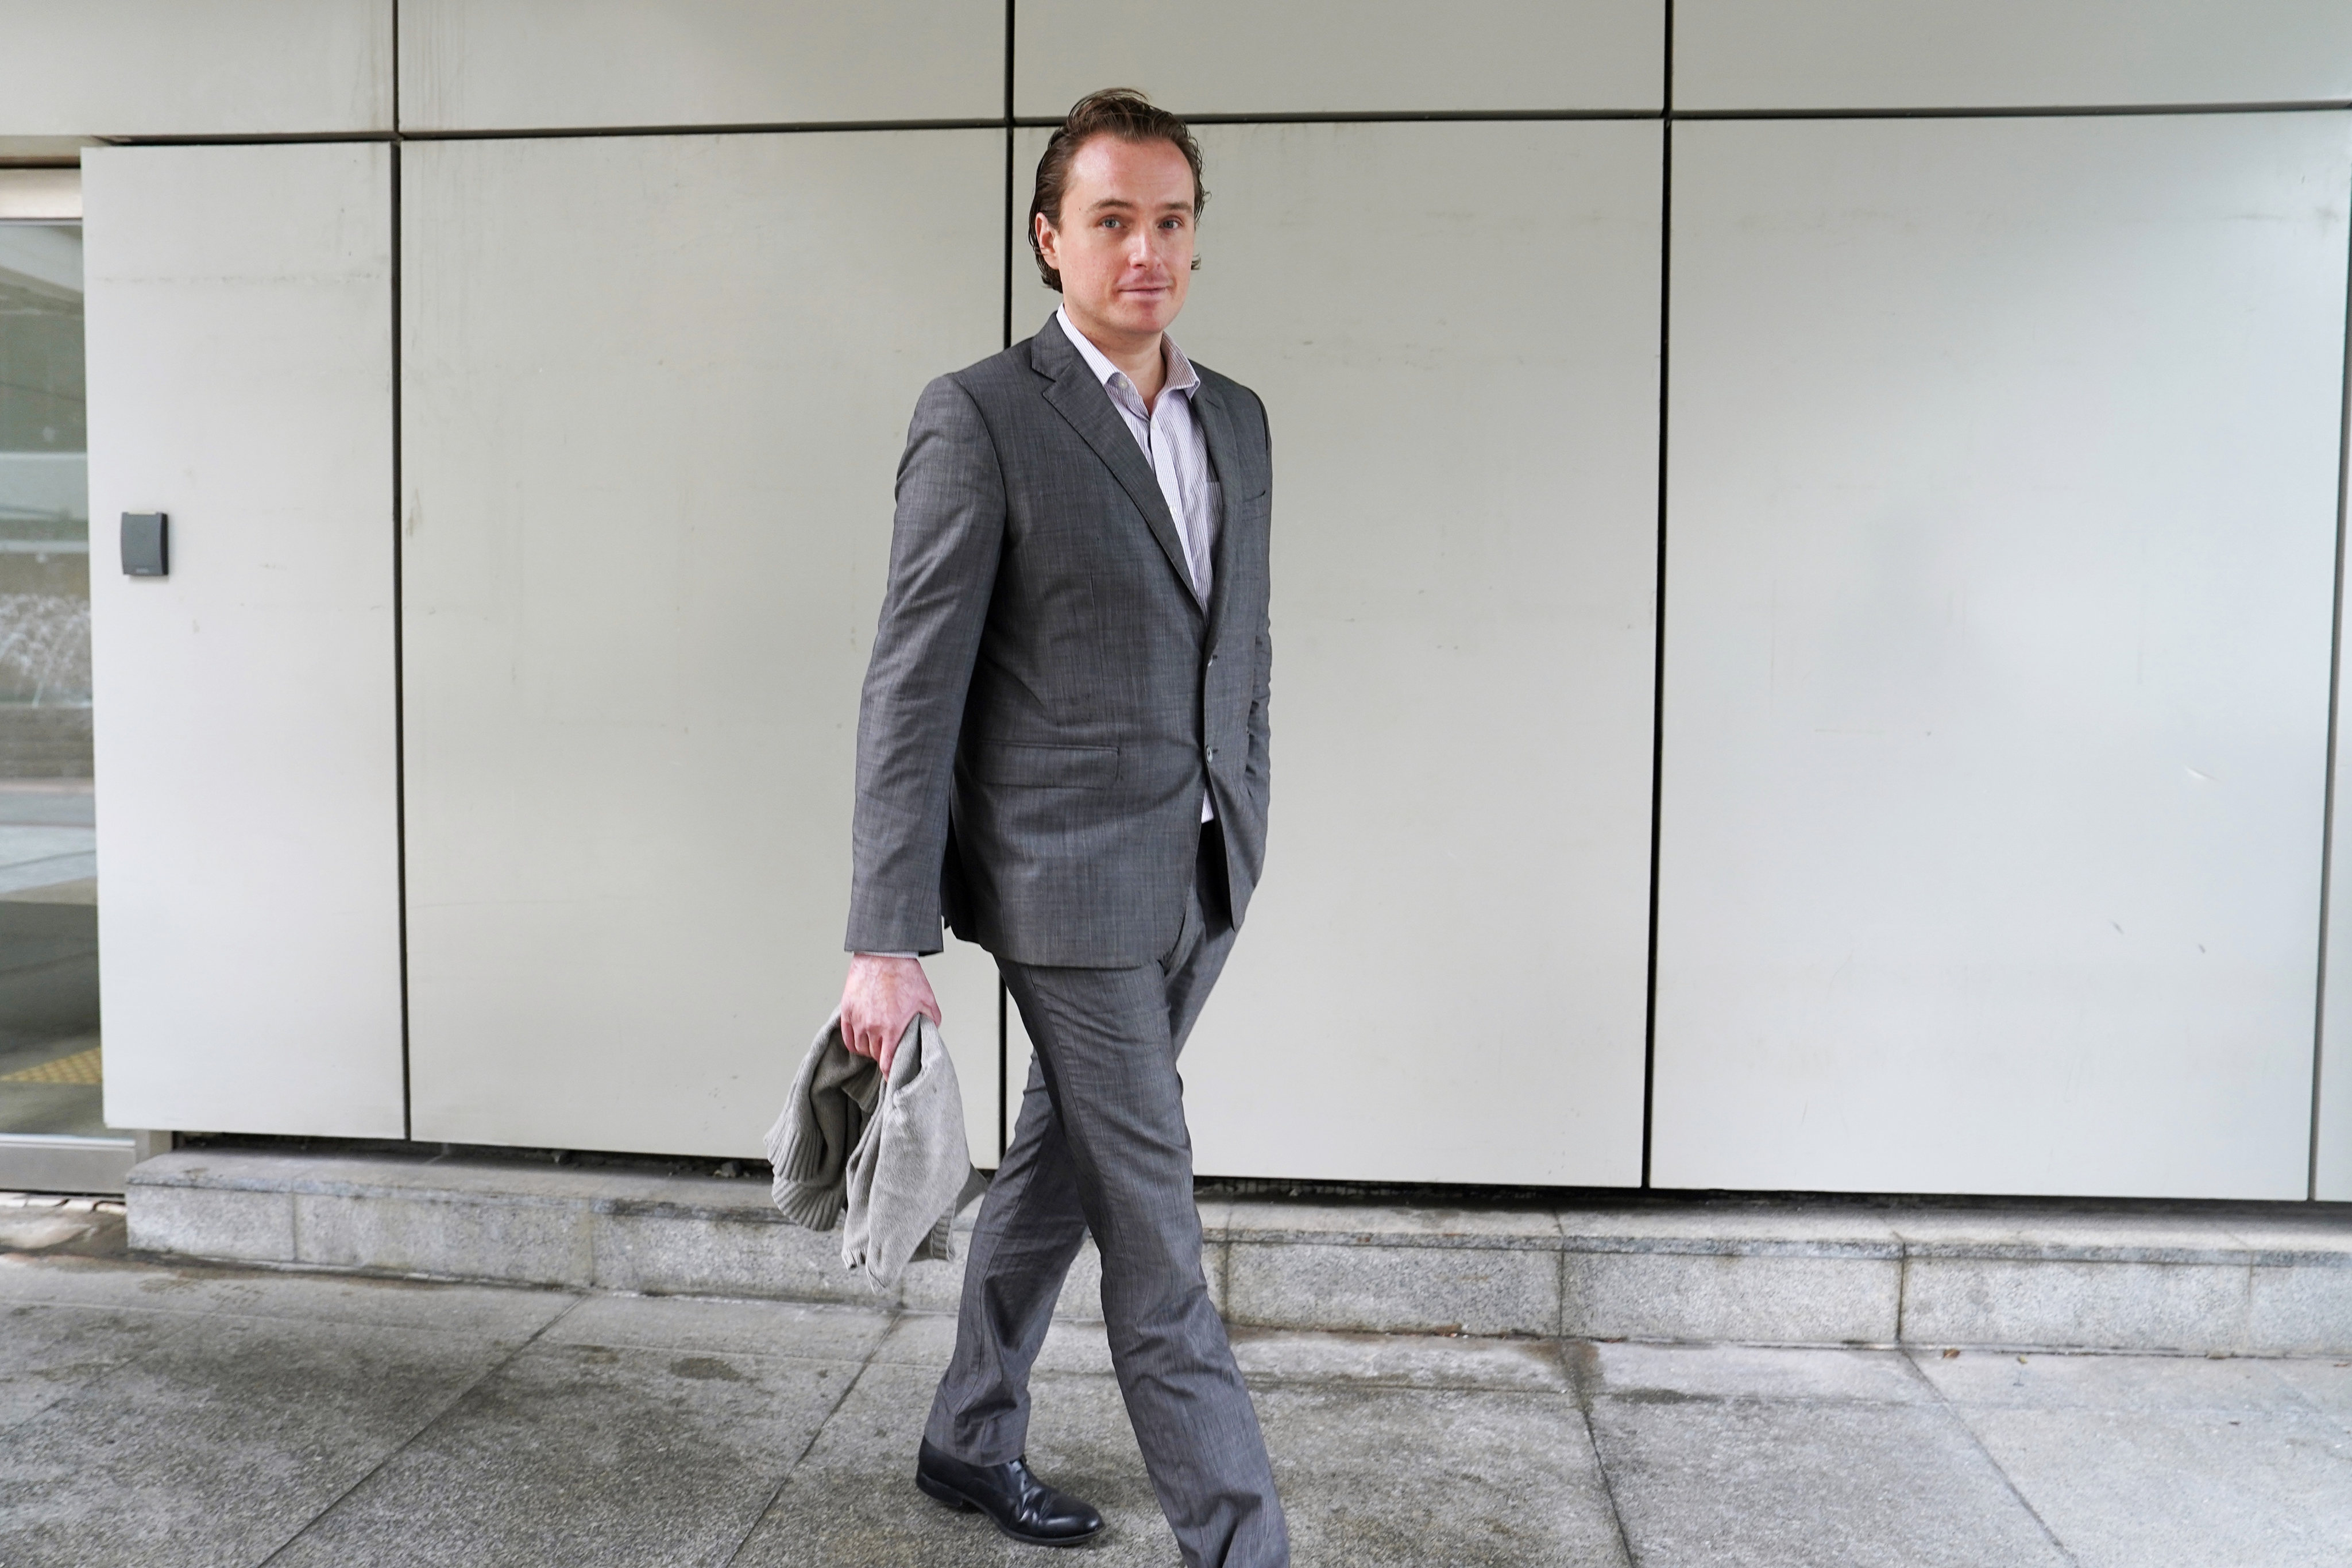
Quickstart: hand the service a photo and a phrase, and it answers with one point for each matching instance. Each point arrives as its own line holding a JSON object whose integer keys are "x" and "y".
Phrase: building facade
{"x": 1807, "y": 556}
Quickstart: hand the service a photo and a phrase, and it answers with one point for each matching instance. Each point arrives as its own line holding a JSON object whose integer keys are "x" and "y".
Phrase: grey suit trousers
{"x": 1101, "y": 1146}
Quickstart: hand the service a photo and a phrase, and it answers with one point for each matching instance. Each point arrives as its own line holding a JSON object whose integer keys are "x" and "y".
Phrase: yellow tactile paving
{"x": 82, "y": 1067}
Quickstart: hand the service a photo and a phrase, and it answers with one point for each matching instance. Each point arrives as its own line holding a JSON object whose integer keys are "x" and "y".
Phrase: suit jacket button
{"x": 1212, "y": 754}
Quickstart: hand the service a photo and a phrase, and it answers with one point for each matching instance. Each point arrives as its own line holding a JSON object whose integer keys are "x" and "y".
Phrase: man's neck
{"x": 1146, "y": 364}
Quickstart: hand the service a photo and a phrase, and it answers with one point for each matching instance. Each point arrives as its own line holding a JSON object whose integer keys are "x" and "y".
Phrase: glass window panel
{"x": 49, "y": 1058}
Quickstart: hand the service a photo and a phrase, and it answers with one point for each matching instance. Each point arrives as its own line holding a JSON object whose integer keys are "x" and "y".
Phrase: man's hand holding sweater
{"x": 881, "y": 997}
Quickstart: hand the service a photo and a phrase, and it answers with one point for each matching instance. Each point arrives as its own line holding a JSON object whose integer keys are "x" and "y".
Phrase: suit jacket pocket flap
{"x": 1047, "y": 767}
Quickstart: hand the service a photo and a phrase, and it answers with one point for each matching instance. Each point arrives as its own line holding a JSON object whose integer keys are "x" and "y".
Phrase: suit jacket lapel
{"x": 1224, "y": 457}
{"x": 1081, "y": 400}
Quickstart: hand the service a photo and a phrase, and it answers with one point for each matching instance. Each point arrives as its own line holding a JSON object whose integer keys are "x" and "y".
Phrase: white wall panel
{"x": 2331, "y": 1172}
{"x": 1934, "y": 54}
{"x": 963, "y": 978}
{"x": 657, "y": 392}
{"x": 1442, "y": 975}
{"x": 1243, "y": 56}
{"x": 2000, "y": 538}
{"x": 536, "y": 64}
{"x": 193, "y": 68}
{"x": 240, "y": 380}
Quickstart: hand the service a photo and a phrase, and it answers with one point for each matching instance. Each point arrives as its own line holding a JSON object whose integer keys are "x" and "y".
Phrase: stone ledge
{"x": 2199, "y": 1278}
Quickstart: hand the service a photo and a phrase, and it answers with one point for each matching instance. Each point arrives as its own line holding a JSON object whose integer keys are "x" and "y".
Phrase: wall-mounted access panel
{"x": 2001, "y": 544}
{"x": 656, "y": 390}
{"x": 1442, "y": 975}
{"x": 1359, "y": 57}
{"x": 194, "y": 68}
{"x": 240, "y": 381}
{"x": 514, "y": 64}
{"x": 1934, "y": 53}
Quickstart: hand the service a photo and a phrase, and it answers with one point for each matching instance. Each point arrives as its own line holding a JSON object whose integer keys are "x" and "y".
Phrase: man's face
{"x": 1125, "y": 245}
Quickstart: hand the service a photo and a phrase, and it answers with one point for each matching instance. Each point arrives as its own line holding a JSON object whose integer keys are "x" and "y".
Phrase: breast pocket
{"x": 1047, "y": 767}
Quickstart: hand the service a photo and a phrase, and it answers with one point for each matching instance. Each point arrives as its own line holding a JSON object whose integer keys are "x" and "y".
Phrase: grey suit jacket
{"x": 1047, "y": 694}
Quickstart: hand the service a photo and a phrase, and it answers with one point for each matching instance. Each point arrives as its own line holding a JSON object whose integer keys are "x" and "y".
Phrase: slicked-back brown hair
{"x": 1121, "y": 111}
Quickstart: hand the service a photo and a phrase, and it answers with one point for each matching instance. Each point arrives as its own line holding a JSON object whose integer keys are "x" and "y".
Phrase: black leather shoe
{"x": 1019, "y": 1505}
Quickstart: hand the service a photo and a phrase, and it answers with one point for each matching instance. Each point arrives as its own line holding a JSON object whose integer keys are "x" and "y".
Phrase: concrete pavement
{"x": 213, "y": 1415}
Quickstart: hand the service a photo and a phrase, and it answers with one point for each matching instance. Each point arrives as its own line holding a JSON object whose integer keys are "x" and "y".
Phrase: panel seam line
{"x": 1329, "y": 117}
{"x": 2327, "y": 797}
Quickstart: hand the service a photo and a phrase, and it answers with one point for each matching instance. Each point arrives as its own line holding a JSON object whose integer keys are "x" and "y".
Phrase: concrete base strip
{"x": 2236, "y": 1279}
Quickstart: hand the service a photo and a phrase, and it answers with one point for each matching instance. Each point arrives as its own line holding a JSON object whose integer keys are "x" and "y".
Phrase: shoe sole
{"x": 946, "y": 1496}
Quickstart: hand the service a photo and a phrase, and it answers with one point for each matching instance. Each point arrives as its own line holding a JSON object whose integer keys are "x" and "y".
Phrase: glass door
{"x": 51, "y": 1062}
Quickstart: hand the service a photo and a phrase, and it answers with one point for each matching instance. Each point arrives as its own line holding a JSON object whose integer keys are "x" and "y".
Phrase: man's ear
{"x": 1048, "y": 241}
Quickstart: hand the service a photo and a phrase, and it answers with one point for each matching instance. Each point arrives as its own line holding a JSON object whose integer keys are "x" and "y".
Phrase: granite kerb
{"x": 589, "y": 1190}
{"x": 1733, "y": 1247}
{"x": 1794, "y": 1231}
{"x": 1514, "y": 1231}
{"x": 2225, "y": 1256}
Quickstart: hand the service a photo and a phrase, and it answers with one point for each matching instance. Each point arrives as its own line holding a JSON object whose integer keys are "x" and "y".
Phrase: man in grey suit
{"x": 1062, "y": 750}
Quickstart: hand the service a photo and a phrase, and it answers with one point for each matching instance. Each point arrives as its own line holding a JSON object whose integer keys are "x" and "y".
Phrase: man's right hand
{"x": 879, "y": 1000}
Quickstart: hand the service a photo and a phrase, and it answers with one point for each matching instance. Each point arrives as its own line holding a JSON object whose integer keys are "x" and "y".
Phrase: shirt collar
{"x": 1181, "y": 377}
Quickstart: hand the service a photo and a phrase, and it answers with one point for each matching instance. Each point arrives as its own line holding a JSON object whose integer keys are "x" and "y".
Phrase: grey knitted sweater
{"x": 894, "y": 1180}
